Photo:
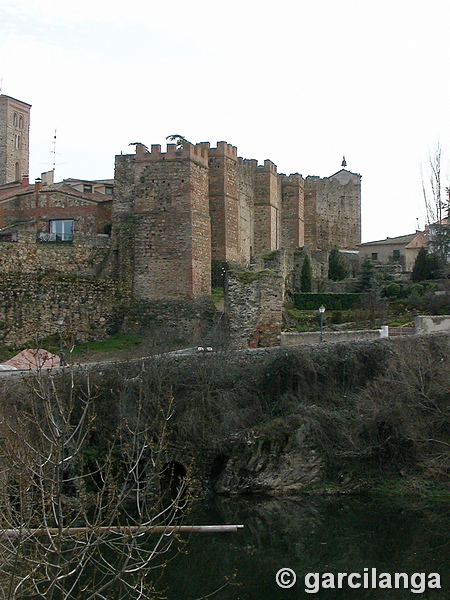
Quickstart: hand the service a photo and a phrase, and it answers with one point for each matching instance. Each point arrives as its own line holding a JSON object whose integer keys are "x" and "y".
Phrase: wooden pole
{"x": 125, "y": 530}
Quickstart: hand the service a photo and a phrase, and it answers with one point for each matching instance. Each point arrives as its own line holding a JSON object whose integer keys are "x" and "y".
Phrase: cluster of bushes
{"x": 331, "y": 301}
{"x": 405, "y": 289}
{"x": 405, "y": 297}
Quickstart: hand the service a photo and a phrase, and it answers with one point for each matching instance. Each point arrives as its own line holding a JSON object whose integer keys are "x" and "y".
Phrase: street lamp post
{"x": 321, "y": 311}
{"x": 60, "y": 322}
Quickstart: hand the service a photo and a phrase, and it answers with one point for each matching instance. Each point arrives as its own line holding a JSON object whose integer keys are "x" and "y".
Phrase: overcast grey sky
{"x": 298, "y": 82}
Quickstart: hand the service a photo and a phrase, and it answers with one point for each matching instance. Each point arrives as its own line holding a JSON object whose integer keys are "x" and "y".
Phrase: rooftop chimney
{"x": 48, "y": 177}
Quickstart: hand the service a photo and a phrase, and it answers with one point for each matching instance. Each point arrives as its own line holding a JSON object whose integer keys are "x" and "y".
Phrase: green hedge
{"x": 312, "y": 301}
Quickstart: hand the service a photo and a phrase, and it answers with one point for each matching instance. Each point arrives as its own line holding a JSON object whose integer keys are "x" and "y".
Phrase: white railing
{"x": 47, "y": 237}
{"x": 55, "y": 237}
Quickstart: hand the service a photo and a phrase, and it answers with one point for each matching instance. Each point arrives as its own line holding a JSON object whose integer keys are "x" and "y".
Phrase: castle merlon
{"x": 292, "y": 179}
{"x": 248, "y": 163}
{"x": 223, "y": 149}
{"x": 268, "y": 166}
{"x": 188, "y": 151}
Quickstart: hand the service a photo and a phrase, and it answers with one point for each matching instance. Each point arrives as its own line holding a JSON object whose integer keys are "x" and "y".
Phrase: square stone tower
{"x": 333, "y": 211}
{"x": 293, "y": 210}
{"x": 224, "y": 201}
{"x": 267, "y": 208}
{"x": 162, "y": 226}
{"x": 14, "y": 139}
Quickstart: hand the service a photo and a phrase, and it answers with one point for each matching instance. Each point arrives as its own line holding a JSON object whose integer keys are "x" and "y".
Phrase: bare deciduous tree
{"x": 75, "y": 517}
{"x": 432, "y": 186}
{"x": 437, "y": 207}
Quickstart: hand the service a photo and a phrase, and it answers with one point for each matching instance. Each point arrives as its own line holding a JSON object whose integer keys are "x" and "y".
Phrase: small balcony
{"x": 55, "y": 237}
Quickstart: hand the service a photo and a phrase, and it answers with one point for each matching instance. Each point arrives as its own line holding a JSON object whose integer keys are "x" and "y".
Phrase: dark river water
{"x": 318, "y": 536}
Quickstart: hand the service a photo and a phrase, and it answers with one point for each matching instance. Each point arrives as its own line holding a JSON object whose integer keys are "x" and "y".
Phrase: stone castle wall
{"x": 267, "y": 208}
{"x": 293, "y": 212}
{"x": 333, "y": 211}
{"x": 224, "y": 202}
{"x": 86, "y": 256}
{"x": 173, "y": 212}
{"x": 30, "y": 305}
{"x": 247, "y": 170}
{"x": 194, "y": 203}
{"x": 254, "y": 306}
{"x": 166, "y": 195}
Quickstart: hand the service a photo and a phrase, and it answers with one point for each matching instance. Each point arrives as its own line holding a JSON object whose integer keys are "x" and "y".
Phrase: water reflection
{"x": 311, "y": 535}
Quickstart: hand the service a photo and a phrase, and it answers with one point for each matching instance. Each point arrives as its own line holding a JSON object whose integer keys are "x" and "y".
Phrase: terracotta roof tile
{"x": 33, "y": 359}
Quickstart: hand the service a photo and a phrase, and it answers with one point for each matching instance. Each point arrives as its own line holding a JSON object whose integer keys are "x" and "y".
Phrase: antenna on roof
{"x": 54, "y": 152}
{"x": 344, "y": 162}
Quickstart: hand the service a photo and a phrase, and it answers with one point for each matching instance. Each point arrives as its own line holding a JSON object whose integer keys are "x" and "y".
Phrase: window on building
{"x": 396, "y": 254}
{"x": 17, "y": 142}
{"x": 87, "y": 188}
{"x": 374, "y": 255}
{"x": 15, "y": 120}
{"x": 108, "y": 190}
{"x": 17, "y": 174}
{"x": 62, "y": 230}
{"x": 20, "y": 122}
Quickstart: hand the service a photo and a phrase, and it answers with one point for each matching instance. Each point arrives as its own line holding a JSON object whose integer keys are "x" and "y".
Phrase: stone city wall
{"x": 85, "y": 256}
{"x": 30, "y": 305}
{"x": 313, "y": 337}
{"x": 178, "y": 322}
{"x": 254, "y": 308}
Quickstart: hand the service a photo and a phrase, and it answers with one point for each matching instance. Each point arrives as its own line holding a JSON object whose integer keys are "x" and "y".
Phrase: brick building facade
{"x": 54, "y": 228}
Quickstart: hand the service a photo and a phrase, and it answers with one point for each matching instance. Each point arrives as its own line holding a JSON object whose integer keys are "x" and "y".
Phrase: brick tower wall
{"x": 122, "y": 234}
{"x": 310, "y": 211}
{"x": 292, "y": 213}
{"x": 267, "y": 208}
{"x": 172, "y": 234}
{"x": 338, "y": 211}
{"x": 224, "y": 202}
{"x": 246, "y": 177}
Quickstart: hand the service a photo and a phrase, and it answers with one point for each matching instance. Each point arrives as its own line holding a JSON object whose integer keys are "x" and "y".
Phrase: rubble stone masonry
{"x": 292, "y": 214}
{"x": 333, "y": 211}
{"x": 30, "y": 305}
{"x": 254, "y": 305}
{"x": 167, "y": 194}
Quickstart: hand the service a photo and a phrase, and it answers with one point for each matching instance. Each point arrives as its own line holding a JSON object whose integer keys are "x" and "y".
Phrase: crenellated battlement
{"x": 292, "y": 179}
{"x": 223, "y": 149}
{"x": 268, "y": 167}
{"x": 197, "y": 153}
{"x": 249, "y": 164}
